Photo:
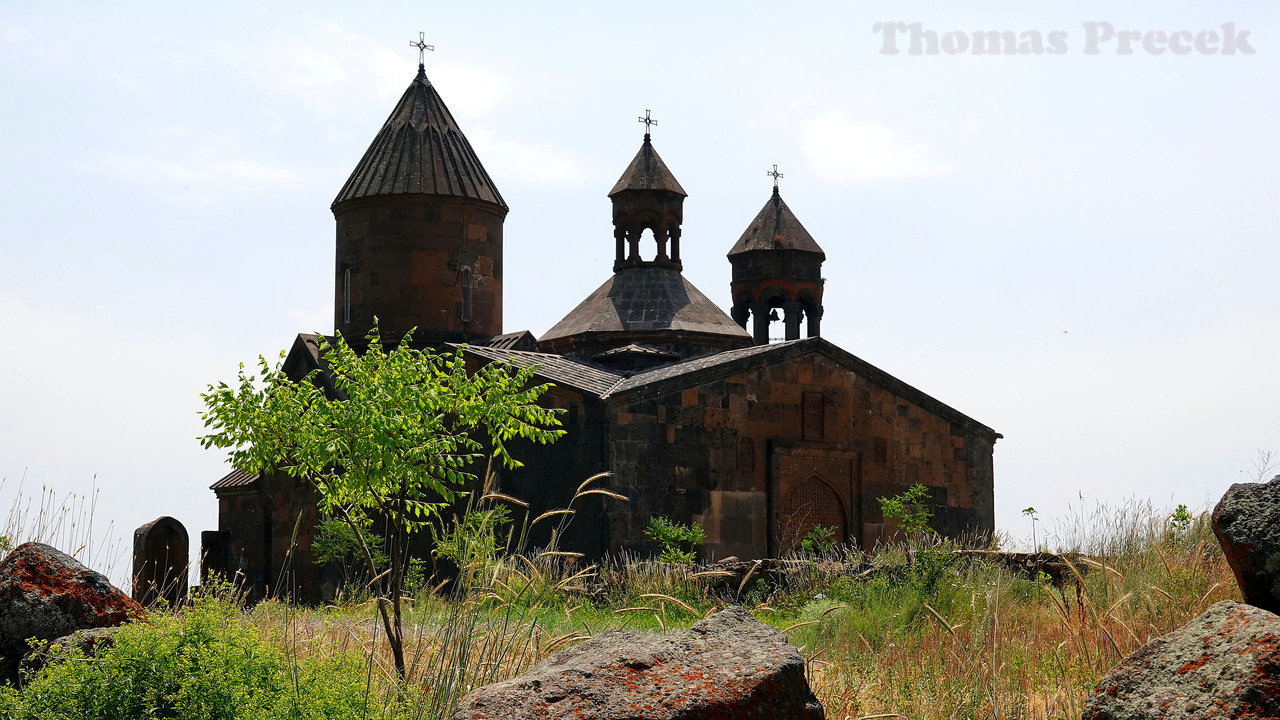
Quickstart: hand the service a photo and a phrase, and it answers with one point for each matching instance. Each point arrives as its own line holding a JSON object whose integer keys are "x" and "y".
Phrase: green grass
{"x": 924, "y": 635}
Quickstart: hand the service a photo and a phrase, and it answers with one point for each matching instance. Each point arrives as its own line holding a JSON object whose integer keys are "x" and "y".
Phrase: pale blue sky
{"x": 1077, "y": 250}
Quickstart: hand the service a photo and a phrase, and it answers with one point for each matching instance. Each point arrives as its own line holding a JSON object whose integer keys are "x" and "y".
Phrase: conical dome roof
{"x": 776, "y": 228}
{"x": 647, "y": 172}
{"x": 646, "y": 300}
{"x": 420, "y": 150}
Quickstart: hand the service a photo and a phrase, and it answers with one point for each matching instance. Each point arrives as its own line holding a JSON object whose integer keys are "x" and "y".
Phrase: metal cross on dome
{"x": 423, "y": 47}
{"x": 774, "y": 174}
{"x": 648, "y": 121}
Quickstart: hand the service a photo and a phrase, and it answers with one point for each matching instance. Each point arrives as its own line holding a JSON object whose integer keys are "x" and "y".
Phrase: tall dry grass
{"x": 926, "y": 636}
{"x": 982, "y": 643}
{"x": 64, "y": 521}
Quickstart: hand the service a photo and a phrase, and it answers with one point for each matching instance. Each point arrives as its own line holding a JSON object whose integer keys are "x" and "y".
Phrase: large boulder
{"x": 47, "y": 594}
{"x": 1247, "y": 523}
{"x": 729, "y": 666}
{"x": 1223, "y": 664}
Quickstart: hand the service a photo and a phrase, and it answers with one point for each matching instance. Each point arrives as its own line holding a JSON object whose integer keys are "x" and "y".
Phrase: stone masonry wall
{"x": 805, "y": 436}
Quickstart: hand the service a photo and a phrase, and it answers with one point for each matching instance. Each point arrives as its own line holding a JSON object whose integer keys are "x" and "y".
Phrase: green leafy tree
{"x": 334, "y": 542}
{"x": 819, "y": 541}
{"x": 677, "y": 541}
{"x": 909, "y": 509}
{"x": 1180, "y": 519}
{"x": 398, "y": 438}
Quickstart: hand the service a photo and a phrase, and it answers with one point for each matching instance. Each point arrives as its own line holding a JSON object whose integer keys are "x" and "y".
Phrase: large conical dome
{"x": 419, "y": 231}
{"x": 420, "y": 149}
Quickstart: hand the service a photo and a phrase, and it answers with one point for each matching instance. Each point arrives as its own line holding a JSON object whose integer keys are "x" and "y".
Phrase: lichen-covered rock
{"x": 81, "y": 643}
{"x": 729, "y": 666}
{"x": 1247, "y": 523}
{"x": 47, "y": 594}
{"x": 1223, "y": 664}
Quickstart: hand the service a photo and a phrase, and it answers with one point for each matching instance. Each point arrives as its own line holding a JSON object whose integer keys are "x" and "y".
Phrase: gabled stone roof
{"x": 646, "y": 299}
{"x": 607, "y": 385}
{"x": 235, "y": 479}
{"x": 636, "y": 349}
{"x": 557, "y": 369}
{"x": 683, "y": 370}
{"x": 647, "y": 172}
{"x": 776, "y": 228}
{"x": 420, "y": 150}
{"x": 732, "y": 362}
{"x": 520, "y": 340}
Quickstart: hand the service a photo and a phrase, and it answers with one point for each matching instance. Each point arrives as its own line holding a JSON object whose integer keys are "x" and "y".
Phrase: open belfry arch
{"x": 746, "y": 422}
{"x": 777, "y": 266}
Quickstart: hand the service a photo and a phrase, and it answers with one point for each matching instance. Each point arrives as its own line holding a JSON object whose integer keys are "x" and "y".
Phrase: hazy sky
{"x": 1077, "y": 248}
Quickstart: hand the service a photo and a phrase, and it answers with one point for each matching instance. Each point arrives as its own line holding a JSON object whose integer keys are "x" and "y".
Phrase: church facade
{"x": 696, "y": 414}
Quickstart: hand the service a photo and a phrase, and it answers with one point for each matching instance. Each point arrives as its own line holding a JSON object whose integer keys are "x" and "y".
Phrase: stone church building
{"x": 697, "y": 414}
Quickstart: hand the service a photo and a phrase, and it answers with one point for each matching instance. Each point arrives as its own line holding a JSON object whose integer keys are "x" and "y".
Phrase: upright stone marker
{"x": 161, "y": 554}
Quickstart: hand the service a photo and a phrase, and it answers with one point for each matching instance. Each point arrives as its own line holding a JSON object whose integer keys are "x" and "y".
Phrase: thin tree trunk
{"x": 397, "y": 585}
{"x": 393, "y": 628}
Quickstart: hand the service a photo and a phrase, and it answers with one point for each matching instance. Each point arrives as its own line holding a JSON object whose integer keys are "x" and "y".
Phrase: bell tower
{"x": 647, "y": 197}
{"x": 777, "y": 265}
{"x": 648, "y": 313}
{"x": 419, "y": 230}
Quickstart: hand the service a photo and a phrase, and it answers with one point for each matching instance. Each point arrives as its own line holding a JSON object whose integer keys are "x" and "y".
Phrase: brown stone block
{"x": 804, "y": 373}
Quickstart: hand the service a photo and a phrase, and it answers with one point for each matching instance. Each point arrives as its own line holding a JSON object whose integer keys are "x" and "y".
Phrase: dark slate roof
{"x": 647, "y": 172}
{"x": 776, "y": 228}
{"x": 522, "y": 340}
{"x": 731, "y": 362}
{"x": 555, "y": 368}
{"x": 642, "y": 299}
{"x": 235, "y": 479}
{"x": 686, "y": 368}
{"x": 636, "y": 349}
{"x": 420, "y": 150}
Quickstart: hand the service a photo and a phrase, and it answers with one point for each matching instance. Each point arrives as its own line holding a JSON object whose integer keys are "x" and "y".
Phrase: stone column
{"x": 660, "y": 237}
{"x": 760, "y": 312}
{"x": 633, "y": 239}
{"x": 815, "y": 322}
{"x": 792, "y": 319}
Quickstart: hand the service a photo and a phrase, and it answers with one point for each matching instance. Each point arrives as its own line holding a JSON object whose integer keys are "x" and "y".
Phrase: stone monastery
{"x": 699, "y": 417}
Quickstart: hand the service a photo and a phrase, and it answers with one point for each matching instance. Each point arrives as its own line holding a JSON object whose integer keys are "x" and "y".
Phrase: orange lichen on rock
{"x": 46, "y": 594}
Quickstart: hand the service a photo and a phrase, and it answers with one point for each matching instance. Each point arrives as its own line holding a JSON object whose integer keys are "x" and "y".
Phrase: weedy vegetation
{"x": 913, "y": 630}
{"x": 920, "y": 629}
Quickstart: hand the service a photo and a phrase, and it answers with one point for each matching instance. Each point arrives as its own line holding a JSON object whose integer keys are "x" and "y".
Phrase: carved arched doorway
{"x": 810, "y": 503}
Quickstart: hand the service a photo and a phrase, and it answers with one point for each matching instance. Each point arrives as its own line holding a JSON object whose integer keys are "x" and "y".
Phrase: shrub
{"x": 206, "y": 663}
{"x": 677, "y": 541}
{"x": 909, "y": 509}
{"x": 819, "y": 541}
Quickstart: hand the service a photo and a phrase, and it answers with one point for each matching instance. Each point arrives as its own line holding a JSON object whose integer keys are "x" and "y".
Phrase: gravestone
{"x": 160, "y": 559}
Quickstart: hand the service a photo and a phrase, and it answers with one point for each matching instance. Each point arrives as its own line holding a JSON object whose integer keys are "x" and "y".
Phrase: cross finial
{"x": 648, "y": 121}
{"x": 775, "y": 175}
{"x": 423, "y": 47}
